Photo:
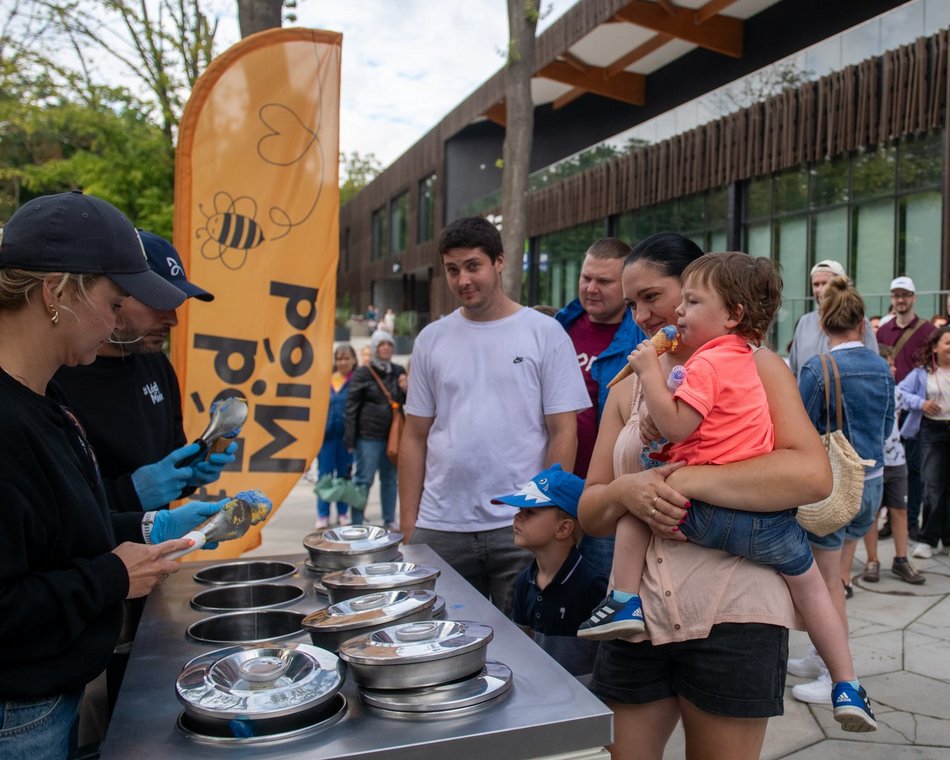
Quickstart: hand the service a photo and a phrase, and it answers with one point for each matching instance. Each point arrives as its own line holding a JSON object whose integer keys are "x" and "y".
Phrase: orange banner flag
{"x": 256, "y": 223}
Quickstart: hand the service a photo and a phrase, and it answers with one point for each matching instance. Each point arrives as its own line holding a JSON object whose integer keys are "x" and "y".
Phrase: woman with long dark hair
{"x": 926, "y": 390}
{"x": 717, "y": 625}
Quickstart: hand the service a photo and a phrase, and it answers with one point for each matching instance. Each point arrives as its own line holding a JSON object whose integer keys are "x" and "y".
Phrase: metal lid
{"x": 380, "y": 575}
{"x": 416, "y": 642}
{"x": 491, "y": 682}
{"x": 378, "y": 608}
{"x": 259, "y": 682}
{"x": 352, "y": 539}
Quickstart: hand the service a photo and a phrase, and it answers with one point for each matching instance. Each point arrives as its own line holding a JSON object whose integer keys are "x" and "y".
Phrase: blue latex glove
{"x": 175, "y": 523}
{"x": 208, "y": 471}
{"x": 162, "y": 482}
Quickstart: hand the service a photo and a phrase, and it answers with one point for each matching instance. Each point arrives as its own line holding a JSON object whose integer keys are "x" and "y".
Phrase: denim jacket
{"x": 613, "y": 358}
{"x": 913, "y": 389}
{"x": 868, "y": 390}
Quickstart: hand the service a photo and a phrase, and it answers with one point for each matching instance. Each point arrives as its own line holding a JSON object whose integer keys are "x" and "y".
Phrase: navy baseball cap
{"x": 549, "y": 488}
{"x": 81, "y": 234}
{"x": 164, "y": 259}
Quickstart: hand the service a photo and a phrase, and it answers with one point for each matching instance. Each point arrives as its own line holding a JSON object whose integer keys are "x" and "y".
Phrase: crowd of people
{"x": 654, "y": 484}
{"x": 541, "y": 457}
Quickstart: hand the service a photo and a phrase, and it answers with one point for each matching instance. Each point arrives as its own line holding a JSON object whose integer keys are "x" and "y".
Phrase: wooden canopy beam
{"x": 498, "y": 114}
{"x": 720, "y": 34}
{"x": 624, "y": 86}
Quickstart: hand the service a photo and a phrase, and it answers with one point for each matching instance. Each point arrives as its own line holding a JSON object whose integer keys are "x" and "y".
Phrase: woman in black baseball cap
{"x": 67, "y": 563}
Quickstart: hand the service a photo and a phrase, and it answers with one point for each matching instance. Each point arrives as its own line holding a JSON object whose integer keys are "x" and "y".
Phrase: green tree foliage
{"x": 62, "y": 127}
{"x": 356, "y": 172}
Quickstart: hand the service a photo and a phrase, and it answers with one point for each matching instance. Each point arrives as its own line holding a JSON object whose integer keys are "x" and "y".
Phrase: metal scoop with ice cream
{"x": 227, "y": 418}
{"x": 231, "y": 521}
{"x": 665, "y": 340}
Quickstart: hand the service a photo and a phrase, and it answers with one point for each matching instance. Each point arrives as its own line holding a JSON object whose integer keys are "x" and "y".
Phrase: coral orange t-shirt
{"x": 722, "y": 384}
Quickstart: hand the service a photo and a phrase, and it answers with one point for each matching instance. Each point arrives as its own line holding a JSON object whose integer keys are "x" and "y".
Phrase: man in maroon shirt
{"x": 603, "y": 333}
{"x": 912, "y": 332}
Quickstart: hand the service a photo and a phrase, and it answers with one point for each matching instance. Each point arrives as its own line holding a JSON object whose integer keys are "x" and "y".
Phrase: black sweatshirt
{"x": 367, "y": 413}
{"x": 131, "y": 409}
{"x": 61, "y": 590}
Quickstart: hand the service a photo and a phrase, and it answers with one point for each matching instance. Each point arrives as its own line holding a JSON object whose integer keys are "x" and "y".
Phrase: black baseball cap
{"x": 82, "y": 234}
{"x": 164, "y": 259}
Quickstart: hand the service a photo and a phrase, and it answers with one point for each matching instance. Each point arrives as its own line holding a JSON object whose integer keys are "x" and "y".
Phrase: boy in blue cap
{"x": 559, "y": 590}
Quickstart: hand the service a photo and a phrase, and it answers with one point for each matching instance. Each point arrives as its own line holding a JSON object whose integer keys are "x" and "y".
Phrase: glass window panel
{"x": 572, "y": 271}
{"x": 717, "y": 241}
{"x": 758, "y": 239}
{"x": 759, "y": 198}
{"x": 829, "y": 184}
{"x": 921, "y": 161}
{"x": 643, "y": 225}
{"x": 919, "y": 240}
{"x": 902, "y": 25}
{"x": 664, "y": 218}
{"x": 717, "y": 207}
{"x": 557, "y": 286}
{"x": 823, "y": 58}
{"x": 625, "y": 227}
{"x": 426, "y": 229}
{"x": 791, "y": 241}
{"x": 380, "y": 237}
{"x": 700, "y": 240}
{"x": 691, "y": 213}
{"x": 830, "y": 236}
{"x": 872, "y": 173}
{"x": 936, "y": 14}
{"x": 873, "y": 236}
{"x": 399, "y": 223}
{"x": 791, "y": 191}
{"x": 860, "y": 43}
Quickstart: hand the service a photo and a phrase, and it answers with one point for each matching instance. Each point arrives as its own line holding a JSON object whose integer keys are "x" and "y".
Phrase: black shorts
{"x": 737, "y": 671}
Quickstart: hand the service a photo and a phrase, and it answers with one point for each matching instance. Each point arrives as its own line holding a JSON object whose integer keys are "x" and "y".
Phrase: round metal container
{"x": 244, "y": 572}
{"x": 248, "y": 596}
{"x": 248, "y": 627}
{"x": 238, "y": 733}
{"x": 438, "y": 609}
{"x": 340, "y": 548}
{"x": 450, "y": 699}
{"x": 380, "y": 576}
{"x": 412, "y": 655}
{"x": 259, "y": 683}
{"x": 332, "y": 626}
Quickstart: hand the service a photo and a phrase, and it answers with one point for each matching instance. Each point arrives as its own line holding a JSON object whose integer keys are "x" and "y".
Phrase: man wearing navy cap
{"x": 130, "y": 403}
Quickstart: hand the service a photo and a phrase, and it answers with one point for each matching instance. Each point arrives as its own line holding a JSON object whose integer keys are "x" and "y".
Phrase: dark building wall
{"x": 777, "y": 32}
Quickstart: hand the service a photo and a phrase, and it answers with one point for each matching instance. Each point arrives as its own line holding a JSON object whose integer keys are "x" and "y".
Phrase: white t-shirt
{"x": 488, "y": 386}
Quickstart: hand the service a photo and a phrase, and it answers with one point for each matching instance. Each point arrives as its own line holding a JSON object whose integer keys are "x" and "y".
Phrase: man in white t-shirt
{"x": 493, "y": 400}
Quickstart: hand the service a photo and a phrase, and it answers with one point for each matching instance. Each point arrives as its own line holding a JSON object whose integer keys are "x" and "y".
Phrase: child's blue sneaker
{"x": 852, "y": 708}
{"x": 613, "y": 620}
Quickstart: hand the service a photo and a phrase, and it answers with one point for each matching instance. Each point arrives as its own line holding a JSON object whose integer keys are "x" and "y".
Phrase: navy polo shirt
{"x": 555, "y": 613}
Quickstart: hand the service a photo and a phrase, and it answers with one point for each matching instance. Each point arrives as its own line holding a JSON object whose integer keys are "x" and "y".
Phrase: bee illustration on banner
{"x": 231, "y": 229}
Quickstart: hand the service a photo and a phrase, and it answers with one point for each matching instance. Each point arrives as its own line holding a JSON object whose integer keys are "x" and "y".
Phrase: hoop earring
{"x": 53, "y": 314}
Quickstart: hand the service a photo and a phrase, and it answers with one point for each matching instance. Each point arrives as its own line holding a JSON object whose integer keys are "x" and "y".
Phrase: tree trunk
{"x": 258, "y": 15}
{"x": 519, "y": 135}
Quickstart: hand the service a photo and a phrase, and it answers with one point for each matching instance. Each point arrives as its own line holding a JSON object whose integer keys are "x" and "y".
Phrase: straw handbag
{"x": 847, "y": 469}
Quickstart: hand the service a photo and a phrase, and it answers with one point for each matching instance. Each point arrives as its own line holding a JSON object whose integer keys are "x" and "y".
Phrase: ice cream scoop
{"x": 231, "y": 521}
{"x": 227, "y": 417}
{"x": 667, "y": 339}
